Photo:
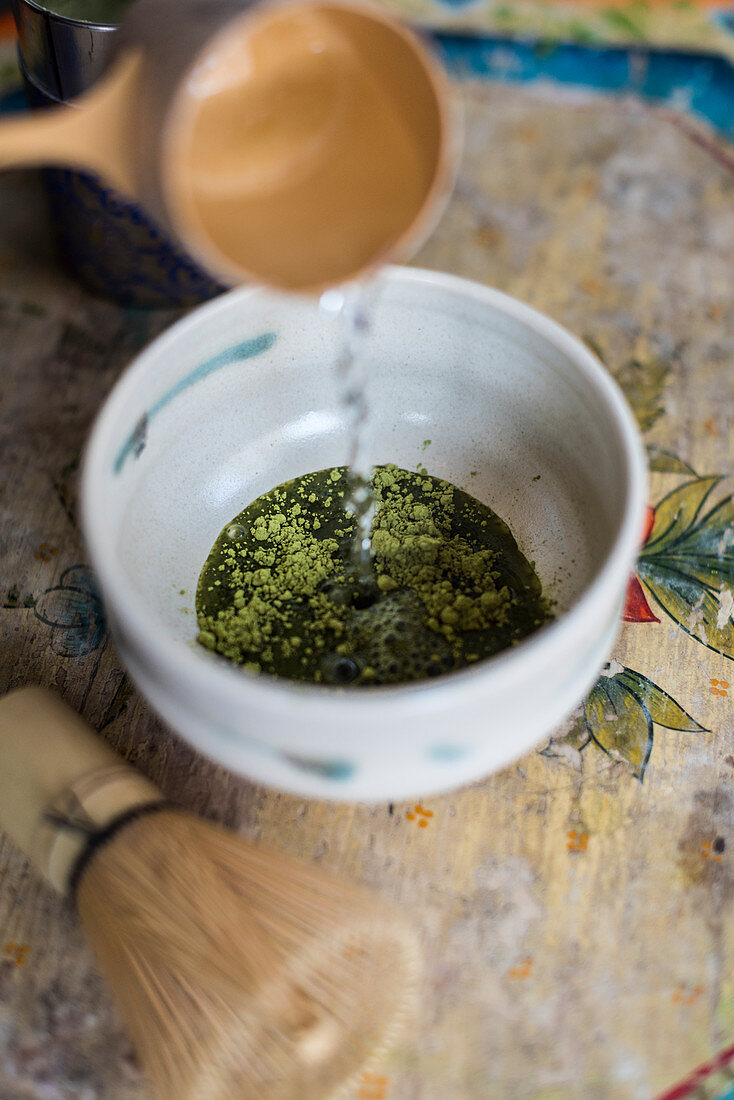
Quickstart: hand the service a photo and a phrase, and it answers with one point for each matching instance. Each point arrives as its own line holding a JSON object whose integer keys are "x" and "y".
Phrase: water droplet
{"x": 342, "y": 670}
{"x": 235, "y": 531}
{"x": 332, "y": 301}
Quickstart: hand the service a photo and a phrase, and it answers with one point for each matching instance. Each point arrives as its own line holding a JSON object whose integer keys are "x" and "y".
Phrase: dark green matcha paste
{"x": 280, "y": 592}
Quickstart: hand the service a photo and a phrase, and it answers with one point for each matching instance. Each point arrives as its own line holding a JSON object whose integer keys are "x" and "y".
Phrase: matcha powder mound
{"x": 279, "y": 592}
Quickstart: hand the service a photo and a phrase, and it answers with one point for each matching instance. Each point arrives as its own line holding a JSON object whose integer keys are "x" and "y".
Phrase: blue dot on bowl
{"x": 446, "y": 754}
{"x": 328, "y": 769}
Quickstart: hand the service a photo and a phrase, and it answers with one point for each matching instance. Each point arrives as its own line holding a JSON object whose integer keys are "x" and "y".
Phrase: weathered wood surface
{"x": 577, "y": 921}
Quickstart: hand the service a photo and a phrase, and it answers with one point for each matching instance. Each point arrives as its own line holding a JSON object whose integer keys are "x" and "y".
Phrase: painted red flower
{"x": 636, "y": 607}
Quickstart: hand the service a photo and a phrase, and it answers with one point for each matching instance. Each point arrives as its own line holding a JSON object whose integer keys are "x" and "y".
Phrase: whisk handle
{"x": 59, "y": 784}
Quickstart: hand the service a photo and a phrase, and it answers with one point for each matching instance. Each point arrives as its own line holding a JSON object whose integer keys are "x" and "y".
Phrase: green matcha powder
{"x": 280, "y": 592}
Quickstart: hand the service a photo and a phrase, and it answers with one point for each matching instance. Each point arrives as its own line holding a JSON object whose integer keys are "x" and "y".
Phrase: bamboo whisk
{"x": 239, "y": 972}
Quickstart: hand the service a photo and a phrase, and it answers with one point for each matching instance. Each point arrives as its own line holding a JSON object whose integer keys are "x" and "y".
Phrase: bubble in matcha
{"x": 279, "y": 592}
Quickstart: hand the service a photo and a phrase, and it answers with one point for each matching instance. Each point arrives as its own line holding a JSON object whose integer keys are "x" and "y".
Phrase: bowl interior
{"x": 243, "y": 395}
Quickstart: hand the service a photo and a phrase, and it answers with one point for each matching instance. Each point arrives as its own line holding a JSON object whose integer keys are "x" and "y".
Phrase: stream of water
{"x": 352, "y": 307}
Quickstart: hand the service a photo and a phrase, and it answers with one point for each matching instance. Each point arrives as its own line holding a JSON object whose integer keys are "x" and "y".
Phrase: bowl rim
{"x": 178, "y": 659}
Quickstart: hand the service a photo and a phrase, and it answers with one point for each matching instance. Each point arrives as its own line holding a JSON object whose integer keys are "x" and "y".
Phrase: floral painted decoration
{"x": 685, "y": 573}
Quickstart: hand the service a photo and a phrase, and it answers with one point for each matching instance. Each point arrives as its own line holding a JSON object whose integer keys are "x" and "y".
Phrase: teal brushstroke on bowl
{"x": 327, "y": 769}
{"x": 446, "y": 754}
{"x": 238, "y": 353}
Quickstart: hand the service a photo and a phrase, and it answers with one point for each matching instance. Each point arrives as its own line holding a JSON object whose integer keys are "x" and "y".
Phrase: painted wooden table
{"x": 576, "y": 909}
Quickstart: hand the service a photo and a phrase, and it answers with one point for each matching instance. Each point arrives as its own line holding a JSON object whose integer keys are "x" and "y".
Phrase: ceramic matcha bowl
{"x": 240, "y": 396}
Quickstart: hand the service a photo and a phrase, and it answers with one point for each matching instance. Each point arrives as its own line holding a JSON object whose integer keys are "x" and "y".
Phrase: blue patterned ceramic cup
{"x": 104, "y": 240}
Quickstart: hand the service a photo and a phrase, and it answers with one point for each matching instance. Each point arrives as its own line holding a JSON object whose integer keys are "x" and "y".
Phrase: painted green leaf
{"x": 620, "y": 712}
{"x": 709, "y": 571}
{"x": 581, "y": 32}
{"x": 627, "y": 22}
{"x": 619, "y": 723}
{"x": 644, "y": 385}
{"x": 677, "y": 512}
{"x": 687, "y": 564}
{"x": 661, "y": 707}
{"x": 706, "y": 550}
{"x": 694, "y": 606}
{"x": 712, "y": 537}
{"x": 665, "y": 462}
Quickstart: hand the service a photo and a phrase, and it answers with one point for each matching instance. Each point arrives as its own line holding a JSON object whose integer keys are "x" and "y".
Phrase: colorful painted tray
{"x": 576, "y": 908}
{"x": 694, "y": 26}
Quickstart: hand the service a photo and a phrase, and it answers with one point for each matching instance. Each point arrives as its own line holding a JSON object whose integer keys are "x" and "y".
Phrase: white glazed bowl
{"x": 241, "y": 395}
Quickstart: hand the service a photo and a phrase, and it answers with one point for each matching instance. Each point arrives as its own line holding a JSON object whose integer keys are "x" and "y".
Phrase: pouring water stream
{"x": 352, "y": 307}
